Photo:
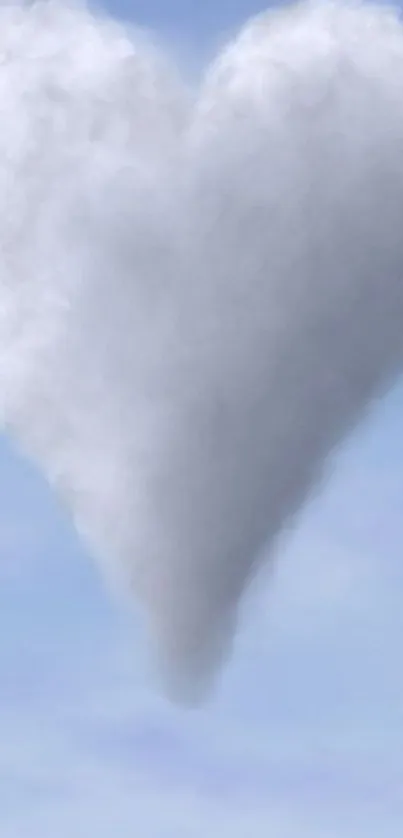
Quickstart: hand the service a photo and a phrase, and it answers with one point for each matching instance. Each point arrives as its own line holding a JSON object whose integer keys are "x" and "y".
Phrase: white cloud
{"x": 197, "y": 302}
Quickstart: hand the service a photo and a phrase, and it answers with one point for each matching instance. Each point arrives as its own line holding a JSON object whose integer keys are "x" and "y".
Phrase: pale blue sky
{"x": 304, "y": 738}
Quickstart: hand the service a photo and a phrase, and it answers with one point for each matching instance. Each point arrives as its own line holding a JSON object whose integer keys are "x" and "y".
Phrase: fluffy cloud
{"x": 201, "y": 290}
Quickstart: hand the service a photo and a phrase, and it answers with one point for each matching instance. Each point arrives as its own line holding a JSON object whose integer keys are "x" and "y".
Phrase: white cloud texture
{"x": 201, "y": 289}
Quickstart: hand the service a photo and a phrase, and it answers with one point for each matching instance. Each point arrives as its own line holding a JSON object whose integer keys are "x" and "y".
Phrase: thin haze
{"x": 202, "y": 289}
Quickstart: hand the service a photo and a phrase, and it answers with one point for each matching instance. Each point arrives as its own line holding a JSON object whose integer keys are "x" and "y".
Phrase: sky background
{"x": 303, "y": 738}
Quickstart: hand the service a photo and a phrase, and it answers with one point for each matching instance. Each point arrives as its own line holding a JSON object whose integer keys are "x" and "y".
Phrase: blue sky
{"x": 304, "y": 736}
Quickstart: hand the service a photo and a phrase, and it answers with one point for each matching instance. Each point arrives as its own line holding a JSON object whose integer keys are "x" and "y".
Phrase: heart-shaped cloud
{"x": 202, "y": 290}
